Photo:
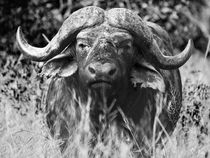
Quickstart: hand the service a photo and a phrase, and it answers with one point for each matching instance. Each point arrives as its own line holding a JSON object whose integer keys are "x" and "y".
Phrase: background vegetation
{"x": 23, "y": 132}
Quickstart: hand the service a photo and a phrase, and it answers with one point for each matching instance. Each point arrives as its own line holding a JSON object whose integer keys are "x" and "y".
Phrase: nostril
{"x": 112, "y": 72}
{"x": 91, "y": 70}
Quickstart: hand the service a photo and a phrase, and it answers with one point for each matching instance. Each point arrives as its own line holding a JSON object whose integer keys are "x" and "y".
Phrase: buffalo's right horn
{"x": 83, "y": 18}
{"x": 165, "y": 61}
{"x": 169, "y": 62}
{"x": 128, "y": 20}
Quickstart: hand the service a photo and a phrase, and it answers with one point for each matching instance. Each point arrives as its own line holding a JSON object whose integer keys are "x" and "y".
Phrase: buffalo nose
{"x": 105, "y": 69}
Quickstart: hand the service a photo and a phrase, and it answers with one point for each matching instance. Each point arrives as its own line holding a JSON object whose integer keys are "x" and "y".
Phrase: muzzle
{"x": 101, "y": 74}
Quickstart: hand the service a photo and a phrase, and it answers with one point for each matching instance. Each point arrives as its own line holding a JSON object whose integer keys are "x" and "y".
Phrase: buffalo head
{"x": 114, "y": 55}
{"x": 103, "y": 47}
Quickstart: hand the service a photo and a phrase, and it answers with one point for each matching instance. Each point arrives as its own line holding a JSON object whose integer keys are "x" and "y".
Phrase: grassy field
{"x": 23, "y": 130}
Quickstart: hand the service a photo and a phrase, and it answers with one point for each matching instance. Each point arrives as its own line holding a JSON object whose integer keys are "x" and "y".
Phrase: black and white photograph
{"x": 104, "y": 79}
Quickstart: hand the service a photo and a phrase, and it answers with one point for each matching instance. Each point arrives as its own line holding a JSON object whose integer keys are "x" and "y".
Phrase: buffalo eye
{"x": 125, "y": 45}
{"x": 82, "y": 46}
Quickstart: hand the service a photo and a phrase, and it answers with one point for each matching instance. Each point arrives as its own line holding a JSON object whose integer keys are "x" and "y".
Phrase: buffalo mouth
{"x": 100, "y": 84}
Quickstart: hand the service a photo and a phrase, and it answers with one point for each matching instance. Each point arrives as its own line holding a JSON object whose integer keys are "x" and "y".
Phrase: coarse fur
{"x": 139, "y": 103}
{"x": 124, "y": 64}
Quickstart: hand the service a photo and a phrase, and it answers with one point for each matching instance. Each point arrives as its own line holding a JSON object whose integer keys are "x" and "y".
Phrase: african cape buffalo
{"x": 116, "y": 58}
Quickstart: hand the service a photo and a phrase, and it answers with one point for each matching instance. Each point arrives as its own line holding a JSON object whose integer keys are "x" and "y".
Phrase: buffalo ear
{"x": 61, "y": 65}
{"x": 145, "y": 75}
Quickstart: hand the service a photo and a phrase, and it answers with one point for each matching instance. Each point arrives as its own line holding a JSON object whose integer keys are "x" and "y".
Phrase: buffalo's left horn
{"x": 83, "y": 18}
{"x": 126, "y": 19}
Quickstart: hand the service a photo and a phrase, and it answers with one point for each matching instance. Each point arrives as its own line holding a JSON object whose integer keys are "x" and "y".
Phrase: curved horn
{"x": 165, "y": 61}
{"x": 126, "y": 19}
{"x": 83, "y": 18}
{"x": 170, "y": 62}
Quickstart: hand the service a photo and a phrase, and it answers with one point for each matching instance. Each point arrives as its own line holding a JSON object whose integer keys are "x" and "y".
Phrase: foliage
{"x": 45, "y": 17}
